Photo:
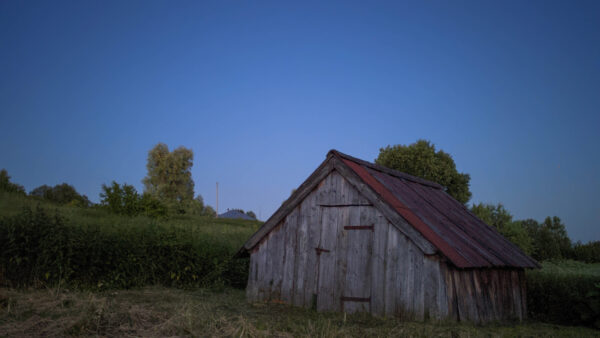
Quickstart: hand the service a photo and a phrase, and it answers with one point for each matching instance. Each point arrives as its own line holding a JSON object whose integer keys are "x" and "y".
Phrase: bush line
{"x": 38, "y": 249}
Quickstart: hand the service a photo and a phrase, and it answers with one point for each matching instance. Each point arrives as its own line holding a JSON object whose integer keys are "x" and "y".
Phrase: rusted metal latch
{"x": 360, "y": 227}
{"x": 319, "y": 250}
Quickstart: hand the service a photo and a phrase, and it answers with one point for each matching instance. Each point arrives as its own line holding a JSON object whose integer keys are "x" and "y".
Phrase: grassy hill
{"x": 45, "y": 244}
{"x": 231, "y": 231}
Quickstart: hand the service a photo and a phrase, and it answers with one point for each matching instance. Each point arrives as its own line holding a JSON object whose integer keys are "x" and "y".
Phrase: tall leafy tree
{"x": 422, "y": 160}
{"x": 121, "y": 199}
{"x": 169, "y": 176}
{"x": 554, "y": 243}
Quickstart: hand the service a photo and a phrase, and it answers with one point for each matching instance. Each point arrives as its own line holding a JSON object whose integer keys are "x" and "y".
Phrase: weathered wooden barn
{"x": 356, "y": 236}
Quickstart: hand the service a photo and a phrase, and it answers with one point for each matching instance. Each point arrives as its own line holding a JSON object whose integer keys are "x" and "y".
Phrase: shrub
{"x": 37, "y": 248}
{"x": 564, "y": 298}
{"x": 62, "y": 194}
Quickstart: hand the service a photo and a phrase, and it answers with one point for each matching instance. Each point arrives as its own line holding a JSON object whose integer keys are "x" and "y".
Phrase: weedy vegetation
{"x": 566, "y": 292}
{"x": 70, "y": 271}
{"x": 43, "y": 245}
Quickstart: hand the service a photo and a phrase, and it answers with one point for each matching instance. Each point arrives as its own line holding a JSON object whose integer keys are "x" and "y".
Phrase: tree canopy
{"x": 61, "y": 193}
{"x": 169, "y": 177}
{"x": 7, "y": 185}
{"x": 422, "y": 160}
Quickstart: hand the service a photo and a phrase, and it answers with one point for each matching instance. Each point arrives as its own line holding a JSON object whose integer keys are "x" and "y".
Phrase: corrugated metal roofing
{"x": 458, "y": 234}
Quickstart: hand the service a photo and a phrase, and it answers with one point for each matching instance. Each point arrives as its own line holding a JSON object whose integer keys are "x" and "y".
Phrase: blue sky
{"x": 262, "y": 90}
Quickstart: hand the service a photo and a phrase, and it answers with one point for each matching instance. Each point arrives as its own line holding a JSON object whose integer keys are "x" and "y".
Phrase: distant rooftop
{"x": 236, "y": 214}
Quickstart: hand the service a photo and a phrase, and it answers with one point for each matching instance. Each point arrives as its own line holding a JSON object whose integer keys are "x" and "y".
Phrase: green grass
{"x": 229, "y": 231}
{"x": 157, "y": 311}
{"x": 93, "y": 248}
{"x": 571, "y": 267}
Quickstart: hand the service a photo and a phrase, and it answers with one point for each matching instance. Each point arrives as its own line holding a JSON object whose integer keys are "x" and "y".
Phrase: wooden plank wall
{"x": 485, "y": 295}
{"x": 379, "y": 264}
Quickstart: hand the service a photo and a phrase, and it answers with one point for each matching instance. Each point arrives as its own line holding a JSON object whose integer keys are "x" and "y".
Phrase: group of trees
{"x": 61, "y": 193}
{"x": 543, "y": 241}
{"x": 168, "y": 187}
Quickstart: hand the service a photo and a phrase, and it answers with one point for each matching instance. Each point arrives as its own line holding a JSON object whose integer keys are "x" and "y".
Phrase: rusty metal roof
{"x": 456, "y": 232}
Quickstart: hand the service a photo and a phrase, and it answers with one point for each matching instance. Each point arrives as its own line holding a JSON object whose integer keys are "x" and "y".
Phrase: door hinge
{"x": 360, "y": 227}
{"x": 320, "y": 250}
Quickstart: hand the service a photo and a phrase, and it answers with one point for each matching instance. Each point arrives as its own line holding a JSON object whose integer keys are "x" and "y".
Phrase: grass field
{"x": 571, "y": 267}
{"x": 156, "y": 311}
{"x": 232, "y": 232}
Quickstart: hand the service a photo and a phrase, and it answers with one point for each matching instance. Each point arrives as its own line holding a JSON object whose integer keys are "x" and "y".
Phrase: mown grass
{"x": 157, "y": 311}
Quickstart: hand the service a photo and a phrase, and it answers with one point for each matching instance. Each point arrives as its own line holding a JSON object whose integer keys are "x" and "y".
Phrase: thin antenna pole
{"x": 217, "y": 199}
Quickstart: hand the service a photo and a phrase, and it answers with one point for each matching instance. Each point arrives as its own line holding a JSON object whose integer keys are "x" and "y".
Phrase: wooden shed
{"x": 356, "y": 236}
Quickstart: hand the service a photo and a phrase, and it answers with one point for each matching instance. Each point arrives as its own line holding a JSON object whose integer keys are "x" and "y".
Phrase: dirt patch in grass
{"x": 160, "y": 312}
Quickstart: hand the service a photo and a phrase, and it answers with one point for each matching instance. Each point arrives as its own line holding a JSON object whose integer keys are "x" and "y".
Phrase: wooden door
{"x": 331, "y": 219}
{"x": 356, "y": 295}
{"x": 344, "y": 260}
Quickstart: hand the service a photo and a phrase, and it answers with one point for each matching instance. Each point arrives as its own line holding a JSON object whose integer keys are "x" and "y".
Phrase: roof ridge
{"x": 388, "y": 171}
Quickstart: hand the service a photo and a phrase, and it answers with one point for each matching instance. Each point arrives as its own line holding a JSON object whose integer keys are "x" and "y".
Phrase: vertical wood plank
{"x": 405, "y": 272}
{"x": 276, "y": 257}
{"x": 378, "y": 263}
{"x": 301, "y": 258}
{"x": 290, "y": 229}
{"x": 391, "y": 262}
{"x": 331, "y": 217}
{"x": 418, "y": 293}
{"x": 523, "y": 285}
{"x": 341, "y": 265}
{"x": 251, "y": 289}
{"x": 516, "y": 293}
{"x": 357, "y": 260}
{"x": 451, "y": 292}
{"x": 311, "y": 207}
{"x": 431, "y": 288}
{"x": 262, "y": 270}
{"x": 442, "y": 297}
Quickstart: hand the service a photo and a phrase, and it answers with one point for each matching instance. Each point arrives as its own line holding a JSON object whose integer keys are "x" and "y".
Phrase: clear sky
{"x": 262, "y": 90}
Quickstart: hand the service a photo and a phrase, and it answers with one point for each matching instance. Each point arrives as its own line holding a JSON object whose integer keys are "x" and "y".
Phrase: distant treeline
{"x": 547, "y": 240}
{"x": 168, "y": 189}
